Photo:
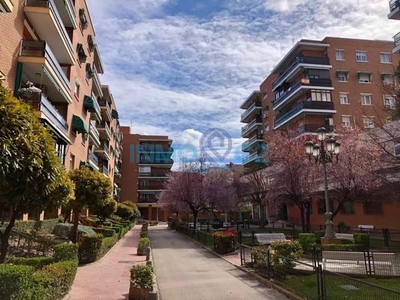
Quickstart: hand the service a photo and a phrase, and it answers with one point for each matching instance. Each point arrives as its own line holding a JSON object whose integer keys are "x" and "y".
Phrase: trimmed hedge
{"x": 362, "y": 239}
{"x": 54, "y": 281}
{"x": 106, "y": 244}
{"x": 89, "y": 249}
{"x": 105, "y": 231}
{"x": 36, "y": 262}
{"x": 64, "y": 251}
{"x": 15, "y": 282}
{"x": 45, "y": 226}
{"x": 64, "y": 230}
{"x": 225, "y": 241}
{"x": 307, "y": 241}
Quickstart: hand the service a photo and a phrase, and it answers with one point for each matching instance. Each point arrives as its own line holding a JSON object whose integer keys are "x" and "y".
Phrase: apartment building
{"x": 146, "y": 163}
{"x": 50, "y": 59}
{"x": 330, "y": 82}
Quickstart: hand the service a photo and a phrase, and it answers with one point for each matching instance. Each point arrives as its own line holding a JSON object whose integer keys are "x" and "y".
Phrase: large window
{"x": 322, "y": 207}
{"x": 386, "y": 58}
{"x": 339, "y": 54}
{"x": 368, "y": 122}
{"x": 346, "y": 121}
{"x": 344, "y": 98}
{"x": 320, "y": 95}
{"x": 364, "y": 77}
{"x": 361, "y": 56}
{"x": 347, "y": 208}
{"x": 342, "y": 76}
{"x": 366, "y": 99}
{"x": 389, "y": 102}
{"x": 373, "y": 208}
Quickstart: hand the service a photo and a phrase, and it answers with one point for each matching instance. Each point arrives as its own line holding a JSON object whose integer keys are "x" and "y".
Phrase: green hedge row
{"x": 39, "y": 278}
{"x": 45, "y": 226}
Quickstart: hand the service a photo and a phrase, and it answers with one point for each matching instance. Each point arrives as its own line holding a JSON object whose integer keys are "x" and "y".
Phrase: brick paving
{"x": 108, "y": 278}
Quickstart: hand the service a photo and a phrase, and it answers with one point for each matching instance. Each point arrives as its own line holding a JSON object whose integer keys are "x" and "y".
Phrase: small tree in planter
{"x": 142, "y": 246}
{"x": 142, "y": 280}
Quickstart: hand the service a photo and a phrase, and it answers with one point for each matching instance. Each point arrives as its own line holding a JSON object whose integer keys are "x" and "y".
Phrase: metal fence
{"x": 203, "y": 237}
{"x": 311, "y": 280}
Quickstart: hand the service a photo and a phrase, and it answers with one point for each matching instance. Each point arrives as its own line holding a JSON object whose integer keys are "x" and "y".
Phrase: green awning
{"x": 88, "y": 103}
{"x": 82, "y": 16}
{"x": 90, "y": 41}
{"x": 79, "y": 125}
{"x": 89, "y": 70}
{"x": 81, "y": 52}
{"x": 114, "y": 114}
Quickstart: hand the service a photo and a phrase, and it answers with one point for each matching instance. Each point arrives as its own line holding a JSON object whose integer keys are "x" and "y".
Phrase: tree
{"x": 91, "y": 189}
{"x": 31, "y": 176}
{"x": 105, "y": 209}
{"x": 295, "y": 179}
{"x": 355, "y": 176}
{"x": 127, "y": 210}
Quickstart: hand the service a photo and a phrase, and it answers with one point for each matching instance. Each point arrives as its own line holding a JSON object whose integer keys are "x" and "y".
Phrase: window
{"x": 320, "y": 95}
{"x": 366, "y": 99}
{"x": 368, "y": 122}
{"x": 346, "y": 121}
{"x": 339, "y": 54}
{"x": 373, "y": 208}
{"x": 347, "y": 208}
{"x": 364, "y": 77}
{"x": 389, "y": 102}
{"x": 386, "y": 58}
{"x": 396, "y": 148}
{"x": 72, "y": 162}
{"x": 322, "y": 206}
{"x": 341, "y": 76}
{"x": 89, "y": 72}
{"x": 387, "y": 79}
{"x": 81, "y": 53}
{"x": 361, "y": 56}
{"x": 77, "y": 88}
{"x": 344, "y": 98}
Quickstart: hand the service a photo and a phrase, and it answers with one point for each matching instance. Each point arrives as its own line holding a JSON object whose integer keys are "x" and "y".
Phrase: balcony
{"x": 105, "y": 171}
{"x": 394, "y": 6}
{"x": 94, "y": 135}
{"x": 298, "y": 88}
{"x": 105, "y": 131}
{"x": 49, "y": 25}
{"x": 153, "y": 175}
{"x": 312, "y": 128}
{"x": 299, "y": 64}
{"x": 309, "y": 107}
{"x": 248, "y": 145}
{"x": 91, "y": 104}
{"x": 159, "y": 162}
{"x": 97, "y": 83}
{"x": 38, "y": 58}
{"x": 105, "y": 110}
{"x": 251, "y": 112}
{"x": 246, "y": 130}
{"x": 150, "y": 187}
{"x": 6, "y": 6}
{"x": 147, "y": 200}
{"x": 66, "y": 9}
{"x": 254, "y": 158}
{"x": 396, "y": 39}
{"x": 104, "y": 151}
{"x": 50, "y": 114}
{"x": 254, "y": 96}
{"x": 93, "y": 160}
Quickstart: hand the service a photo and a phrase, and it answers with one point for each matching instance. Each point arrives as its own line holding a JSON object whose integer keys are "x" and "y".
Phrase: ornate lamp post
{"x": 324, "y": 152}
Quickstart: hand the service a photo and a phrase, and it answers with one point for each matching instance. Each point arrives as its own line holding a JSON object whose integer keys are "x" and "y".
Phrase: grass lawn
{"x": 338, "y": 287}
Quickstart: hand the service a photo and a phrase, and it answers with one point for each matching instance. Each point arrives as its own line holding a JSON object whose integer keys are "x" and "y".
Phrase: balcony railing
{"x": 302, "y": 60}
{"x": 150, "y": 187}
{"x": 156, "y": 161}
{"x": 324, "y": 82}
{"x": 51, "y": 5}
{"x": 94, "y": 130}
{"x": 97, "y": 82}
{"x": 393, "y": 4}
{"x": 396, "y": 39}
{"x": 249, "y": 126}
{"x": 252, "y": 108}
{"x": 106, "y": 127}
{"x": 247, "y": 144}
{"x": 92, "y": 157}
{"x": 41, "y": 49}
{"x": 151, "y": 200}
{"x": 104, "y": 104}
{"x": 312, "y": 128}
{"x": 42, "y": 104}
{"x": 105, "y": 170}
{"x": 154, "y": 174}
{"x": 253, "y": 157}
{"x": 303, "y": 105}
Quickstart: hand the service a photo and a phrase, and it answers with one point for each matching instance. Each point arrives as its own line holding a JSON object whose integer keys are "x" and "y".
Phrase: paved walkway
{"x": 187, "y": 271}
{"x": 108, "y": 279}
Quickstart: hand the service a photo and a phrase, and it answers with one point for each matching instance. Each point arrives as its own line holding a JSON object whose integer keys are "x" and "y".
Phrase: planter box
{"x": 141, "y": 251}
{"x": 137, "y": 293}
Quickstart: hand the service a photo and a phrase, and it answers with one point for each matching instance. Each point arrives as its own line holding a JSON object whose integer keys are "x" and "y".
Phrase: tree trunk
{"x": 303, "y": 221}
{"x": 194, "y": 220}
{"x": 308, "y": 214}
{"x": 74, "y": 236}
{"x": 5, "y": 237}
{"x": 262, "y": 216}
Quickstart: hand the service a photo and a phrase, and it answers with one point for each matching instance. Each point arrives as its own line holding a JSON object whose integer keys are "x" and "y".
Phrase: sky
{"x": 182, "y": 68}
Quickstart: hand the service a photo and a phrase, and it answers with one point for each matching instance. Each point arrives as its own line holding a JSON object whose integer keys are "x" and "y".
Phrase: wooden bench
{"x": 358, "y": 257}
{"x": 268, "y": 238}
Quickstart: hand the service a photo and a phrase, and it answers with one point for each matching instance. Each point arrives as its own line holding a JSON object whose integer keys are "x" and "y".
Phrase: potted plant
{"x": 142, "y": 280}
{"x": 144, "y": 243}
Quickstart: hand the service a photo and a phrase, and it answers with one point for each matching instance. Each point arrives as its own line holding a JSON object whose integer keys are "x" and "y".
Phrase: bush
{"x": 153, "y": 223}
{"x": 125, "y": 212}
{"x": 89, "y": 249}
{"x": 54, "y": 280}
{"x": 36, "y": 262}
{"x": 106, "y": 244}
{"x": 105, "y": 232}
{"x": 307, "y": 241}
{"x": 174, "y": 223}
{"x": 283, "y": 254}
{"x": 259, "y": 255}
{"x": 142, "y": 276}
{"x": 143, "y": 243}
{"x": 225, "y": 241}
{"x": 15, "y": 282}
{"x": 64, "y": 230}
{"x": 362, "y": 239}
{"x": 318, "y": 236}
{"x": 144, "y": 234}
{"x": 65, "y": 251}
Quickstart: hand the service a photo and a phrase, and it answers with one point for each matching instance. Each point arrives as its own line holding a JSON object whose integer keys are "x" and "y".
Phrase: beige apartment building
{"x": 146, "y": 165}
{"x": 49, "y": 46}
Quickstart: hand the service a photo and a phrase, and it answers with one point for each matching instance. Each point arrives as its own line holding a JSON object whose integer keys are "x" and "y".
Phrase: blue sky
{"x": 183, "y": 67}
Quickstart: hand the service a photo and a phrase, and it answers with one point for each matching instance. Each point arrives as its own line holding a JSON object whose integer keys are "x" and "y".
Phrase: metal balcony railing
{"x": 153, "y": 174}
{"x": 393, "y": 4}
{"x": 105, "y": 170}
{"x": 93, "y": 158}
{"x": 250, "y": 126}
{"x": 252, "y": 108}
{"x": 94, "y": 130}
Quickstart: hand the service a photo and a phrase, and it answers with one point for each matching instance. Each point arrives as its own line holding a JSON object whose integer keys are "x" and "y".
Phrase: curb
{"x": 253, "y": 274}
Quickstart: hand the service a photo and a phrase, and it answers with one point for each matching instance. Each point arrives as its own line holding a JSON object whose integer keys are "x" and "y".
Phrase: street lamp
{"x": 324, "y": 153}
